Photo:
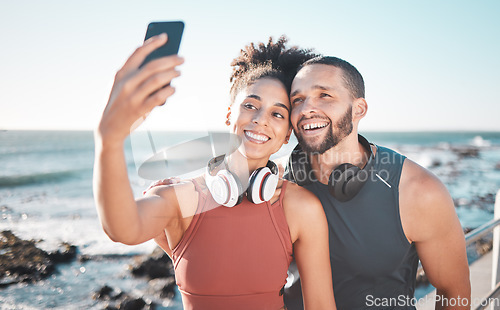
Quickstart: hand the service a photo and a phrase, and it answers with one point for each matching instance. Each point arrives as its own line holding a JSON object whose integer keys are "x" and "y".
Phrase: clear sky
{"x": 427, "y": 65}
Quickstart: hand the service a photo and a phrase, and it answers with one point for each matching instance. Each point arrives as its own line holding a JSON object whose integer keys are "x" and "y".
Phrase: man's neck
{"x": 349, "y": 150}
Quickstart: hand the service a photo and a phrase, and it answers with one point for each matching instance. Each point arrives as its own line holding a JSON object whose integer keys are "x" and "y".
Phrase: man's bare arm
{"x": 430, "y": 221}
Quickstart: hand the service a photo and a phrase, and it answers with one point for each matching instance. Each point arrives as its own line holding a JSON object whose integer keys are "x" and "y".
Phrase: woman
{"x": 224, "y": 258}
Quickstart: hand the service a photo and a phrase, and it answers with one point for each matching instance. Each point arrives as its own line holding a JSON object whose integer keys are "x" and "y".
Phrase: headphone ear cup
{"x": 262, "y": 183}
{"x": 269, "y": 186}
{"x": 219, "y": 189}
{"x": 298, "y": 166}
{"x": 233, "y": 193}
{"x": 342, "y": 182}
{"x": 254, "y": 193}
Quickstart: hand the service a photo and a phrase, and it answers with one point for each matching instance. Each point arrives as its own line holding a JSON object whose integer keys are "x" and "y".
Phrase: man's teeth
{"x": 256, "y": 136}
{"x": 314, "y": 126}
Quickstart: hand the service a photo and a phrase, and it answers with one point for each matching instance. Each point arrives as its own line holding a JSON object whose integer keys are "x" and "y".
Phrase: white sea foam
{"x": 85, "y": 233}
{"x": 480, "y": 142}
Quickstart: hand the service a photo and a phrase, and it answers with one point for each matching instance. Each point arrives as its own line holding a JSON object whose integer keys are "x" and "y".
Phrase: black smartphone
{"x": 173, "y": 30}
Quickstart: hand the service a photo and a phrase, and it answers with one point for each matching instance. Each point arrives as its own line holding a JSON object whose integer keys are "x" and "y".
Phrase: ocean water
{"x": 46, "y": 194}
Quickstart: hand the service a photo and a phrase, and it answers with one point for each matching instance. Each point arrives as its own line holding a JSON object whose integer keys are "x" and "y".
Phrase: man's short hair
{"x": 352, "y": 78}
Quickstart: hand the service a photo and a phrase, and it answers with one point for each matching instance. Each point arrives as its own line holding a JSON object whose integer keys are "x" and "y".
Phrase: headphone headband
{"x": 214, "y": 163}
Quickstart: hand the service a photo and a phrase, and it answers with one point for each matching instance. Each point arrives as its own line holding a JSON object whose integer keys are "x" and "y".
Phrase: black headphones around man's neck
{"x": 345, "y": 181}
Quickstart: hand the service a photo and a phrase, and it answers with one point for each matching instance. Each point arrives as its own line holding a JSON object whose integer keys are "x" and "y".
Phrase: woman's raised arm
{"x": 136, "y": 91}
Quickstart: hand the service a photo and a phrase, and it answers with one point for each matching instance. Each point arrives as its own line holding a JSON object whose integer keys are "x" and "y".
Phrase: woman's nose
{"x": 260, "y": 118}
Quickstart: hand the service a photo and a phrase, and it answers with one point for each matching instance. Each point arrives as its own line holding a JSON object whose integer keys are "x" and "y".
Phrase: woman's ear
{"x": 287, "y": 138}
{"x": 228, "y": 116}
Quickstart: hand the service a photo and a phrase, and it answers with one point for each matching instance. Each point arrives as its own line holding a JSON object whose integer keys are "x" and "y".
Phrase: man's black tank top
{"x": 373, "y": 264}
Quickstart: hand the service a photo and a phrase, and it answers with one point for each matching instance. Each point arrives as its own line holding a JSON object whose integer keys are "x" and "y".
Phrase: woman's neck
{"x": 242, "y": 166}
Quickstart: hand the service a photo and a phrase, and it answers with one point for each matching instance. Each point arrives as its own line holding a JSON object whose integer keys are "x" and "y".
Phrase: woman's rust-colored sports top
{"x": 234, "y": 258}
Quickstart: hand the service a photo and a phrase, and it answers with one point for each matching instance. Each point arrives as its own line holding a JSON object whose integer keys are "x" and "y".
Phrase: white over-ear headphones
{"x": 226, "y": 188}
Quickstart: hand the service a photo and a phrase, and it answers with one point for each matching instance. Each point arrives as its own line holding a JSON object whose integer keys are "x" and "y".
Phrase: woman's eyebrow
{"x": 281, "y": 105}
{"x": 254, "y": 97}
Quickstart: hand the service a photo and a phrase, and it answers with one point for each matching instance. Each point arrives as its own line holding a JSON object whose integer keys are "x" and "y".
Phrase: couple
{"x": 236, "y": 256}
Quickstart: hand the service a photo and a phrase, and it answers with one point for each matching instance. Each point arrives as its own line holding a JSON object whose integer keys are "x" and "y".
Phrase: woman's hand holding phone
{"x": 137, "y": 90}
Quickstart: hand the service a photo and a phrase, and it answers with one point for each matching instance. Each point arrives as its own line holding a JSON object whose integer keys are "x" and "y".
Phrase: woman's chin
{"x": 254, "y": 152}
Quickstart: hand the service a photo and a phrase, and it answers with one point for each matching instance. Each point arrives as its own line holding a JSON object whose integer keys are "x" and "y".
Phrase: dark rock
{"x": 488, "y": 198}
{"x": 436, "y": 163}
{"x": 105, "y": 293}
{"x": 84, "y": 258}
{"x": 466, "y": 151}
{"x": 65, "y": 254}
{"x": 21, "y": 260}
{"x": 116, "y": 299}
{"x": 132, "y": 304}
{"x": 162, "y": 288}
{"x": 485, "y": 202}
{"x": 497, "y": 166}
{"x": 108, "y": 293}
{"x": 156, "y": 265}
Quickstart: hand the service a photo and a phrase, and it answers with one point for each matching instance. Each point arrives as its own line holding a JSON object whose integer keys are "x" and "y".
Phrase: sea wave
{"x": 6, "y": 152}
{"x": 36, "y": 178}
{"x": 480, "y": 142}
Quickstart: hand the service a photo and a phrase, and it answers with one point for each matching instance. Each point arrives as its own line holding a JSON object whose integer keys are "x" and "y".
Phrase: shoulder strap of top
{"x": 273, "y": 218}
{"x": 198, "y": 188}
{"x": 183, "y": 244}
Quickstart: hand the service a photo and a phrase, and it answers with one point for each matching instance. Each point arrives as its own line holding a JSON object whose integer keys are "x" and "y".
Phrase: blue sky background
{"x": 427, "y": 65}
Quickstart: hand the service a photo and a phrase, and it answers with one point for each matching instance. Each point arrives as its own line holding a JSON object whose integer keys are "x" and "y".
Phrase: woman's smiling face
{"x": 260, "y": 116}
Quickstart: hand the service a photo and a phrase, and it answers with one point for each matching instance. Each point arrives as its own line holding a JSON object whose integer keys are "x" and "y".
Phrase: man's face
{"x": 321, "y": 108}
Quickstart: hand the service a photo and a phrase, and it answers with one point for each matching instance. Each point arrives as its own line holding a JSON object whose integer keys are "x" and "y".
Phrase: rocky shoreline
{"x": 157, "y": 270}
{"x": 21, "y": 261}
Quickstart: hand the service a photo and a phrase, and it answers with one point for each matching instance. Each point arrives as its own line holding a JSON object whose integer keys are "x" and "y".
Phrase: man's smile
{"x": 313, "y": 126}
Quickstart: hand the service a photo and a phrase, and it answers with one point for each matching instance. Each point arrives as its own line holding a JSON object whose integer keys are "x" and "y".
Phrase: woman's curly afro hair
{"x": 273, "y": 60}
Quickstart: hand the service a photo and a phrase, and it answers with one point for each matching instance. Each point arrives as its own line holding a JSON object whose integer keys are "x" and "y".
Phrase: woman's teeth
{"x": 257, "y": 137}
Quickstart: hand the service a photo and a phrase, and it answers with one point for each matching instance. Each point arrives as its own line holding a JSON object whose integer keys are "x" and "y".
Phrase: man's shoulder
{"x": 423, "y": 199}
{"x": 386, "y": 155}
{"x": 418, "y": 178}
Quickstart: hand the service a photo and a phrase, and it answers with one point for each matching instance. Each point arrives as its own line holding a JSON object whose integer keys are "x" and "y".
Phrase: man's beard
{"x": 343, "y": 128}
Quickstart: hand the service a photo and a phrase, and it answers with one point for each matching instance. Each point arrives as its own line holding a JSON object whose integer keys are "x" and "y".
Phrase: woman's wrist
{"x": 106, "y": 142}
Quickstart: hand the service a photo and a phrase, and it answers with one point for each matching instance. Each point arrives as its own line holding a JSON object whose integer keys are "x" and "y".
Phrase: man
{"x": 387, "y": 212}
